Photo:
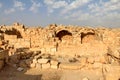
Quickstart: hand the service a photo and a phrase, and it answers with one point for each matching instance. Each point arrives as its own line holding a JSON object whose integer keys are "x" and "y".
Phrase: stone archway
{"x": 13, "y": 32}
{"x": 64, "y": 35}
{"x": 87, "y": 37}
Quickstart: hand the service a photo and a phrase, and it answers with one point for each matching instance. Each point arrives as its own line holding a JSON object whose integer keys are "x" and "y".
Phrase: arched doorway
{"x": 64, "y": 35}
{"x": 87, "y": 37}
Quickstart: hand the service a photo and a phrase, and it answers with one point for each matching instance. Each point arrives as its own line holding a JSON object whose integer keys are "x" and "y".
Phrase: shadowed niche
{"x": 13, "y": 32}
{"x": 63, "y": 33}
{"x": 87, "y": 37}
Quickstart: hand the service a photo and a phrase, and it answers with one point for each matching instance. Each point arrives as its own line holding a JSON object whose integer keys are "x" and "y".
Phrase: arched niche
{"x": 13, "y": 32}
{"x": 64, "y": 34}
{"x": 87, "y": 37}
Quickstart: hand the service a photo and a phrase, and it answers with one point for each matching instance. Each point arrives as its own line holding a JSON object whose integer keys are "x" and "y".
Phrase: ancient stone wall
{"x": 62, "y": 40}
{"x": 66, "y": 40}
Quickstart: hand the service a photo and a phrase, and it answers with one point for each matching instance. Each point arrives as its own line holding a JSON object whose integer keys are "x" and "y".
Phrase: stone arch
{"x": 87, "y": 37}
{"x": 13, "y": 32}
{"x": 64, "y": 34}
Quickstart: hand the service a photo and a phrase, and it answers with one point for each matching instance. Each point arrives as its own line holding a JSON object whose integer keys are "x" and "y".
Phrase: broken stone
{"x": 20, "y": 69}
{"x": 45, "y": 66}
{"x": 37, "y": 56}
{"x": 90, "y": 60}
{"x": 34, "y": 61}
{"x": 97, "y": 65}
{"x": 43, "y": 61}
{"x": 54, "y": 62}
{"x": 85, "y": 78}
{"x": 102, "y": 59}
{"x": 53, "y": 50}
{"x": 38, "y": 66}
{"x": 83, "y": 60}
{"x": 54, "y": 66}
{"x": 70, "y": 66}
{"x": 32, "y": 65}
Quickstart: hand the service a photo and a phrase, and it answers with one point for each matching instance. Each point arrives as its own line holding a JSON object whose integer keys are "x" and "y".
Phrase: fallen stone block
{"x": 37, "y": 56}
{"x": 45, "y": 66}
{"x": 43, "y": 61}
{"x": 38, "y": 66}
{"x": 54, "y": 66}
{"x": 33, "y": 65}
{"x": 52, "y": 62}
{"x": 34, "y": 61}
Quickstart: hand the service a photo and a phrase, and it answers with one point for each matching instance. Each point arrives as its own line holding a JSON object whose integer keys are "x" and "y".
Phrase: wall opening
{"x": 13, "y": 32}
{"x": 64, "y": 34}
{"x": 87, "y": 37}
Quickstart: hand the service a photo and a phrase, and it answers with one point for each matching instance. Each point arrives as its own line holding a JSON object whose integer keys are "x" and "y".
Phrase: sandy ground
{"x": 11, "y": 73}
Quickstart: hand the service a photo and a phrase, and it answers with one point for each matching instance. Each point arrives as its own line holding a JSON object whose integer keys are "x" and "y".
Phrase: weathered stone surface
{"x": 92, "y": 45}
{"x": 53, "y": 62}
{"x": 97, "y": 65}
{"x": 38, "y": 66}
{"x": 34, "y": 61}
{"x": 43, "y": 61}
{"x": 83, "y": 60}
{"x": 85, "y": 78}
{"x": 54, "y": 66}
{"x": 111, "y": 72}
{"x": 32, "y": 65}
{"x": 90, "y": 60}
{"x": 70, "y": 66}
{"x": 45, "y": 66}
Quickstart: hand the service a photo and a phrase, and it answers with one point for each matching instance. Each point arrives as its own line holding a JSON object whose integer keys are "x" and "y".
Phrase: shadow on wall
{"x": 87, "y": 37}
{"x": 13, "y": 32}
{"x": 61, "y": 34}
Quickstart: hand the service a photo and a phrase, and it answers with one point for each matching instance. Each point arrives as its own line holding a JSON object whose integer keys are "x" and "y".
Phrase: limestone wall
{"x": 62, "y": 40}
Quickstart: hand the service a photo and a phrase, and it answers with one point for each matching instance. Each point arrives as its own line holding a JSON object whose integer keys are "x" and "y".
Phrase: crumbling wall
{"x": 62, "y": 40}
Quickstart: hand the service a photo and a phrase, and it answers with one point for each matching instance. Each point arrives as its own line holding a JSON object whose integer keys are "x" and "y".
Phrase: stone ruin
{"x": 61, "y": 47}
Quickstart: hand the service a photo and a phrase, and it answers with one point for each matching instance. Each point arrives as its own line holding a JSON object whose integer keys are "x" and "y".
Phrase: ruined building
{"x": 60, "y": 40}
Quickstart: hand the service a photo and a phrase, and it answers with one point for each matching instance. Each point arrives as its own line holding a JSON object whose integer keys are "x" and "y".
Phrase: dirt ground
{"x": 11, "y": 73}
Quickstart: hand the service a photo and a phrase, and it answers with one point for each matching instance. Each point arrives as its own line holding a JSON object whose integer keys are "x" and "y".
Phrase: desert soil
{"x": 11, "y": 73}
